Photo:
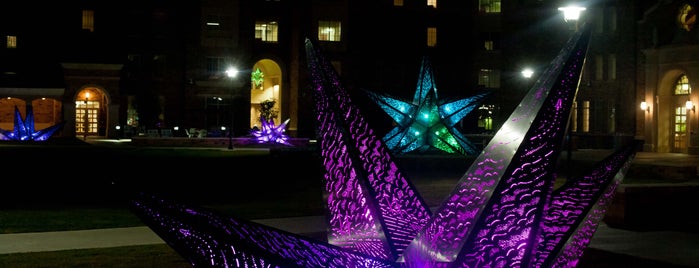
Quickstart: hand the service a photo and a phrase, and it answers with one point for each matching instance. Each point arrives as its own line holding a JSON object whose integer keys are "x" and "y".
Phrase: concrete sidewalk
{"x": 672, "y": 248}
{"x": 130, "y": 236}
{"x": 669, "y": 248}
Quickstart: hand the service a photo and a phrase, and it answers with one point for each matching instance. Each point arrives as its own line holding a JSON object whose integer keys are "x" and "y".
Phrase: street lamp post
{"x": 571, "y": 13}
{"x": 231, "y": 73}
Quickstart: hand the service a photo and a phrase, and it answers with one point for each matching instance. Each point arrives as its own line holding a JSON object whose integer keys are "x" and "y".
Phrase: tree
{"x": 267, "y": 110}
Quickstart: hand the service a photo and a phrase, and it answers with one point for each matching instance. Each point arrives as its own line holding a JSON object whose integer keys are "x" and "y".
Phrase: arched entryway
{"x": 265, "y": 91}
{"x": 675, "y": 113}
{"x": 90, "y": 112}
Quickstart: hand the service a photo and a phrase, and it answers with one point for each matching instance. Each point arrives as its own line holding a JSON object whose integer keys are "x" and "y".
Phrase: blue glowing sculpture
{"x": 503, "y": 212}
{"x": 270, "y": 133}
{"x": 24, "y": 128}
{"x": 427, "y": 122}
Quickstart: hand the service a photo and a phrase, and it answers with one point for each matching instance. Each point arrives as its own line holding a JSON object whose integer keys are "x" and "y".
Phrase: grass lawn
{"x": 148, "y": 256}
{"x": 79, "y": 186}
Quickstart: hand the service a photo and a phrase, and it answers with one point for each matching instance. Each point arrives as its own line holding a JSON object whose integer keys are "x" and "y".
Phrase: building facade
{"x": 668, "y": 45}
{"x": 119, "y": 68}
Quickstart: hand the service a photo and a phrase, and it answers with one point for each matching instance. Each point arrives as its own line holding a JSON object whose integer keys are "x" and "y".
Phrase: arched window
{"x": 682, "y": 86}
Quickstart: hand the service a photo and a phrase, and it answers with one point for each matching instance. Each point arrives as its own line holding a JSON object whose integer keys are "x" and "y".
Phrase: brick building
{"x": 119, "y": 68}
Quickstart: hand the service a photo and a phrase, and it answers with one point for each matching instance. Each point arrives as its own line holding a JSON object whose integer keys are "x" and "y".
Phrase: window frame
{"x": 333, "y": 26}
{"x": 267, "y": 31}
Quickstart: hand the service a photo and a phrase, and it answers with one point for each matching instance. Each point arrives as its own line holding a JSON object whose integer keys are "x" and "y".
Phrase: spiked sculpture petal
{"x": 427, "y": 122}
{"x": 577, "y": 205}
{"x": 372, "y": 207}
{"x": 496, "y": 207}
{"x": 271, "y": 133}
{"x": 24, "y": 129}
{"x": 503, "y": 212}
{"x": 206, "y": 239}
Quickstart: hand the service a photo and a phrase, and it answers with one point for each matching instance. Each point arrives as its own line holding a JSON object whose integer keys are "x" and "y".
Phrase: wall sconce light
{"x": 644, "y": 106}
{"x": 689, "y": 105}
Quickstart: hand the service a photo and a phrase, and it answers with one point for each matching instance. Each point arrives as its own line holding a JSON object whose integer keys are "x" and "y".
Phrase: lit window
{"x": 213, "y": 21}
{"x": 131, "y": 112}
{"x": 612, "y": 67}
{"x": 490, "y": 40}
{"x": 488, "y": 45}
{"x": 489, "y": 78}
{"x": 266, "y": 31}
{"x": 489, "y": 6}
{"x": 11, "y": 41}
{"x": 329, "y": 31}
{"x": 682, "y": 86}
{"x": 89, "y": 20}
{"x": 485, "y": 117}
{"x": 586, "y": 116}
{"x": 432, "y": 3}
{"x": 612, "y": 120}
{"x": 680, "y": 128}
{"x": 431, "y": 36}
{"x": 398, "y": 3}
{"x": 574, "y": 117}
{"x": 218, "y": 27}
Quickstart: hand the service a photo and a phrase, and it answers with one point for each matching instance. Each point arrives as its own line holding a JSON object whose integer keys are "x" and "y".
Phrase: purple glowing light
{"x": 502, "y": 213}
{"x": 271, "y": 133}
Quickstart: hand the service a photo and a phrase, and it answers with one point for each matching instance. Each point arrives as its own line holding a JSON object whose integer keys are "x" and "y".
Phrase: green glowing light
{"x": 257, "y": 77}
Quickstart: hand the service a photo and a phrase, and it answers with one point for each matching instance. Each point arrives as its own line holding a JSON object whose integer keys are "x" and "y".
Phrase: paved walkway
{"x": 675, "y": 248}
{"x": 131, "y": 236}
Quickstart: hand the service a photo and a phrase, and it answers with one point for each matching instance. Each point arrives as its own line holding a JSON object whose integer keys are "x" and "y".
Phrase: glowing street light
{"x": 232, "y": 73}
{"x": 571, "y": 12}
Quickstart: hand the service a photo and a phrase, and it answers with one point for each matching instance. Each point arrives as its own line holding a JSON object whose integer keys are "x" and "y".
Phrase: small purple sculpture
{"x": 270, "y": 133}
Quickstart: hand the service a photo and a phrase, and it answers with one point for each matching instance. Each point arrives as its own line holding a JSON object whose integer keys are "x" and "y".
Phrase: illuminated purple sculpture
{"x": 24, "y": 128}
{"x": 427, "y": 122}
{"x": 271, "y": 133}
{"x": 504, "y": 212}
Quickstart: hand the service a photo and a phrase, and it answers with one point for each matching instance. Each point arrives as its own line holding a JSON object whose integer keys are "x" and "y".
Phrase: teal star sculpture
{"x": 427, "y": 122}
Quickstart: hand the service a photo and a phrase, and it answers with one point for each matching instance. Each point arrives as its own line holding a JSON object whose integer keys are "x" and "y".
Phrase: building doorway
{"x": 266, "y": 92}
{"x": 679, "y": 129}
{"x": 88, "y": 113}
